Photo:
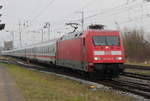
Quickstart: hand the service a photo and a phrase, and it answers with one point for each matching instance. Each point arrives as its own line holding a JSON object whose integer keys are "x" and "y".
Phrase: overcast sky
{"x": 54, "y": 11}
{"x": 34, "y": 13}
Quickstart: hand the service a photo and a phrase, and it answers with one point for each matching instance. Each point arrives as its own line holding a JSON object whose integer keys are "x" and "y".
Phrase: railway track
{"x": 136, "y": 67}
{"x": 137, "y": 88}
{"x": 132, "y": 87}
{"x": 139, "y": 76}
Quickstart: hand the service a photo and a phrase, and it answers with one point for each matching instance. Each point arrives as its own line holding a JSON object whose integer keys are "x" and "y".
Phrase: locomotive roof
{"x": 97, "y": 30}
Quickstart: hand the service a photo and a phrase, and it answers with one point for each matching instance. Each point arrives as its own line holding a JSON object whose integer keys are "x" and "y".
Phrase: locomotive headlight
{"x": 97, "y": 58}
{"x": 119, "y": 58}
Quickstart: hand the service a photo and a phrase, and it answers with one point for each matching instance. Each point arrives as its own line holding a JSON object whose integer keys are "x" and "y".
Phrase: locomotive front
{"x": 105, "y": 52}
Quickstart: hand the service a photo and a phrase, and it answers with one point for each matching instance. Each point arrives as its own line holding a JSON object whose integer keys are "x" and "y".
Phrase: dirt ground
{"x": 8, "y": 88}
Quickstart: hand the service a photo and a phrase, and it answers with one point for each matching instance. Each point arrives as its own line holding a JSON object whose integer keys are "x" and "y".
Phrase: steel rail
{"x": 127, "y": 66}
{"x": 139, "y": 76}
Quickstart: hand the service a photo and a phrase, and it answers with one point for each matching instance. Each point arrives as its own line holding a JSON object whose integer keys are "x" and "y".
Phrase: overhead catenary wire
{"x": 113, "y": 11}
{"x": 90, "y": 2}
{"x": 120, "y": 8}
{"x": 43, "y": 10}
{"x": 35, "y": 9}
{"x": 39, "y": 14}
{"x": 109, "y": 10}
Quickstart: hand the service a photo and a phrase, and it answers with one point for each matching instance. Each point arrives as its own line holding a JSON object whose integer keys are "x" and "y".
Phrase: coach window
{"x": 44, "y": 50}
{"x": 47, "y": 49}
{"x": 39, "y": 50}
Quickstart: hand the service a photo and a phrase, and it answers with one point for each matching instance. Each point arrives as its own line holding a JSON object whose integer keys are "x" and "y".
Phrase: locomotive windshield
{"x": 106, "y": 40}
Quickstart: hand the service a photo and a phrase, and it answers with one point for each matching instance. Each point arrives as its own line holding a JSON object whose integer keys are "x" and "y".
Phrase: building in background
{"x": 8, "y": 45}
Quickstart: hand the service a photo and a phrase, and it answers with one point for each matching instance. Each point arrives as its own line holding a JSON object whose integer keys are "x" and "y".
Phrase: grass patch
{"x": 37, "y": 86}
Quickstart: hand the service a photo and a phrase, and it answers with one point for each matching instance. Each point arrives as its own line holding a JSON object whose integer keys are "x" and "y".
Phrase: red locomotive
{"x": 92, "y": 51}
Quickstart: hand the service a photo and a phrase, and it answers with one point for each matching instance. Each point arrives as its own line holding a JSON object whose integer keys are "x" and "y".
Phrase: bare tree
{"x": 136, "y": 47}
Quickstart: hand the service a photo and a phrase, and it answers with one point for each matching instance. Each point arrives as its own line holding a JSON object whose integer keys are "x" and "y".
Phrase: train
{"x": 93, "y": 51}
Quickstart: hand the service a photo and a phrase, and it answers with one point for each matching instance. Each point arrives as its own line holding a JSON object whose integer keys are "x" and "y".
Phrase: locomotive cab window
{"x": 106, "y": 40}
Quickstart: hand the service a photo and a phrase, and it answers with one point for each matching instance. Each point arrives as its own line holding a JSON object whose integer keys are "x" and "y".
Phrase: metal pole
{"x": 20, "y": 34}
{"x": 12, "y": 33}
{"x": 42, "y": 35}
{"x": 48, "y": 24}
{"x": 82, "y": 21}
{"x": 20, "y": 40}
{"x": 12, "y": 38}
